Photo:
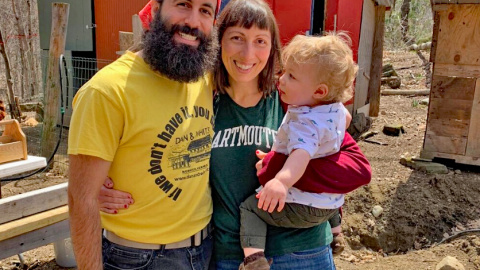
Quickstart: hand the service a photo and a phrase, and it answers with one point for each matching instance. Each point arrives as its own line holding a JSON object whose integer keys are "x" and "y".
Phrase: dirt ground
{"x": 419, "y": 210}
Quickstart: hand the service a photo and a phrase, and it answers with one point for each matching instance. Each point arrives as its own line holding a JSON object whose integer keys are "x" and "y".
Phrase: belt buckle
{"x": 196, "y": 239}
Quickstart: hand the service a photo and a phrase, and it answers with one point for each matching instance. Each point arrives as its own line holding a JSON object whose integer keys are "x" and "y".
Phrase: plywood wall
{"x": 453, "y": 124}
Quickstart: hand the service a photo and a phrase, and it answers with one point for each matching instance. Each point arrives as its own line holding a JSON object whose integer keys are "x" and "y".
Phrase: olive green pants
{"x": 253, "y": 220}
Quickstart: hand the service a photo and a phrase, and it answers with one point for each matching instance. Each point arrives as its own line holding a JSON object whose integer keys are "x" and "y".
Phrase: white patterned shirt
{"x": 319, "y": 131}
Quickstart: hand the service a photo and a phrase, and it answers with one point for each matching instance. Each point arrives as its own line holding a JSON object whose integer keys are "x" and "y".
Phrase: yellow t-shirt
{"x": 157, "y": 133}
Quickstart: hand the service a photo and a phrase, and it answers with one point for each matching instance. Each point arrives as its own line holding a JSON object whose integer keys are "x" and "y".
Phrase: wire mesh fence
{"x": 74, "y": 73}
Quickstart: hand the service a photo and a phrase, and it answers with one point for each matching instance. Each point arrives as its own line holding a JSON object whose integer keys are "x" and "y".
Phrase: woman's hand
{"x": 272, "y": 194}
{"x": 111, "y": 200}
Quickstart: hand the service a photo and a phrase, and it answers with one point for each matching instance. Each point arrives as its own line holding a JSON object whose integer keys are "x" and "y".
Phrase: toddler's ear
{"x": 321, "y": 92}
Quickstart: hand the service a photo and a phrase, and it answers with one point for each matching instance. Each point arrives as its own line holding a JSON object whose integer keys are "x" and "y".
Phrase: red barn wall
{"x": 110, "y": 18}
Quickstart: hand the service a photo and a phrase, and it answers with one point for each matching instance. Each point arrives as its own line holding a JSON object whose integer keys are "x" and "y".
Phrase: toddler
{"x": 318, "y": 78}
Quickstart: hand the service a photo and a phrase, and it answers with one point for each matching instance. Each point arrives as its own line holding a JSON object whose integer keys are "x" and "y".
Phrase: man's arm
{"x": 87, "y": 174}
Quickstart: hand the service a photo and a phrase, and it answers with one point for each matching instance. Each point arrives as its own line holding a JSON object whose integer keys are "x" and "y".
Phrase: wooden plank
{"x": 473, "y": 144}
{"x": 377, "y": 57}
{"x": 33, "y": 202}
{"x": 21, "y": 166}
{"x": 450, "y": 109}
{"x": 458, "y": 158}
{"x": 31, "y": 223}
{"x": 448, "y": 145}
{"x": 365, "y": 109}
{"x": 459, "y": 35}
{"x": 364, "y": 55}
{"x": 34, "y": 239}
{"x": 448, "y": 127}
{"x": 125, "y": 39}
{"x": 453, "y": 87}
{"x": 456, "y": 70}
{"x": 11, "y": 151}
{"x": 58, "y": 36}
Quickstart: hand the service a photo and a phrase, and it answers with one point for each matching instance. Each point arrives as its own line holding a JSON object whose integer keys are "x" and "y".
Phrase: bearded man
{"x": 146, "y": 121}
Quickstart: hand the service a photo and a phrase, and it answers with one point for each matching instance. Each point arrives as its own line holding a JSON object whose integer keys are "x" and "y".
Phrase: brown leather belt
{"x": 192, "y": 241}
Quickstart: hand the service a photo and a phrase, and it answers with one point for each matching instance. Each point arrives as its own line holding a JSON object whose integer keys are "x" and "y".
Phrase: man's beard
{"x": 176, "y": 61}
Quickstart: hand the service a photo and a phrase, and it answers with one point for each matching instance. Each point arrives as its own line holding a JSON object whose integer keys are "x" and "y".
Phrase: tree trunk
{"x": 58, "y": 35}
{"x": 8, "y": 74}
{"x": 34, "y": 48}
{"x": 405, "y": 10}
{"x": 24, "y": 52}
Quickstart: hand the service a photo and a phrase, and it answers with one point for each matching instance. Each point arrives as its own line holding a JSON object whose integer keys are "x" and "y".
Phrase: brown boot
{"x": 338, "y": 244}
{"x": 256, "y": 261}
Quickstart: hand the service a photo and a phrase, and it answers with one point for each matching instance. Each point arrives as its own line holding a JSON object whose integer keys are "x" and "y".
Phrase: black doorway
{"x": 318, "y": 17}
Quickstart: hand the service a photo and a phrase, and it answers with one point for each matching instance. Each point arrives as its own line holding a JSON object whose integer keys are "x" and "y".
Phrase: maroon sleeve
{"x": 342, "y": 172}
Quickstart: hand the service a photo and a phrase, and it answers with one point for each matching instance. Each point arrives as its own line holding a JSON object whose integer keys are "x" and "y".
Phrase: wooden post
{"x": 60, "y": 13}
{"x": 137, "y": 29}
{"x": 377, "y": 59}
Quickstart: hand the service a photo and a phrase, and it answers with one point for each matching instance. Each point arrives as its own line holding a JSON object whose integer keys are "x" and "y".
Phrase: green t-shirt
{"x": 239, "y": 132}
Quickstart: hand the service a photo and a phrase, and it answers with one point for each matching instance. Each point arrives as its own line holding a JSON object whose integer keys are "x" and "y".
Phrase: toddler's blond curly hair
{"x": 332, "y": 58}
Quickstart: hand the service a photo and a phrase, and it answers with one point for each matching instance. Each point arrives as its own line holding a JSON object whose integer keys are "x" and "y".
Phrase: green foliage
{"x": 419, "y": 20}
{"x": 415, "y": 103}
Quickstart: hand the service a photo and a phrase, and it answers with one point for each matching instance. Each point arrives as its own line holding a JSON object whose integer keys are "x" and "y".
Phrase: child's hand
{"x": 273, "y": 193}
{"x": 260, "y": 154}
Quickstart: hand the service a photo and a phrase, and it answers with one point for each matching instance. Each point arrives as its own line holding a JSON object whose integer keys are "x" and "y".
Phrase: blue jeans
{"x": 192, "y": 258}
{"x": 320, "y": 258}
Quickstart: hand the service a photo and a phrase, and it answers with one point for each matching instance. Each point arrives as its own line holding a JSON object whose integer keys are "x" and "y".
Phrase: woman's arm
{"x": 342, "y": 172}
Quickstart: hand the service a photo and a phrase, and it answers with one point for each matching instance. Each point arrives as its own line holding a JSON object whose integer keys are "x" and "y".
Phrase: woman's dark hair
{"x": 248, "y": 13}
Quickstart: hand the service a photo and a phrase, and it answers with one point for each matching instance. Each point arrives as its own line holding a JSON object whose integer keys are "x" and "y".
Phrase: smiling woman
{"x": 248, "y": 113}
{"x": 250, "y": 41}
{"x": 245, "y": 52}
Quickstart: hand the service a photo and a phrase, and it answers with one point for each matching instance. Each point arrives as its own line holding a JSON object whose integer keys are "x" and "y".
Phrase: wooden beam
{"x": 60, "y": 12}
{"x": 137, "y": 29}
{"x": 33, "y": 202}
{"x": 377, "y": 57}
{"x": 34, "y": 239}
{"x": 32, "y": 223}
{"x": 458, "y": 158}
{"x": 423, "y": 92}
